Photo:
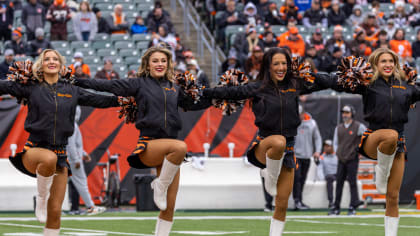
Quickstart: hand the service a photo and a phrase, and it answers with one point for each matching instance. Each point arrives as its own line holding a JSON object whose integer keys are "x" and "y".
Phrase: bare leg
{"x": 394, "y": 185}
{"x": 284, "y": 188}
{"x": 55, "y": 202}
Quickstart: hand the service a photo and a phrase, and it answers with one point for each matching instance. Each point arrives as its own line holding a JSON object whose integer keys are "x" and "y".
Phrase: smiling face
{"x": 158, "y": 65}
{"x": 386, "y": 65}
{"x": 51, "y": 63}
{"x": 278, "y": 67}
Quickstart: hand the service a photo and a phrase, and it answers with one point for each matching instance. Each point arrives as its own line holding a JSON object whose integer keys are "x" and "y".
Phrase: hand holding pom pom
{"x": 231, "y": 77}
{"x": 21, "y": 72}
{"x": 353, "y": 72}
{"x": 410, "y": 74}
{"x": 302, "y": 69}
{"x": 189, "y": 85}
{"x": 128, "y": 109}
{"x": 66, "y": 74}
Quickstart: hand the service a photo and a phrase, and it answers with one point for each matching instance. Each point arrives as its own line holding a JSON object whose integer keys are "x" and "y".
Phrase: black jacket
{"x": 18, "y": 48}
{"x": 6, "y": 19}
{"x": 157, "y": 101}
{"x": 51, "y": 108}
{"x": 275, "y": 106}
{"x": 385, "y": 104}
{"x": 4, "y": 70}
{"x": 35, "y": 45}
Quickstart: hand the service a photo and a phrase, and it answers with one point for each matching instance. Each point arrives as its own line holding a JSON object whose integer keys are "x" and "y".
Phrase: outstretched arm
{"x": 95, "y": 100}
{"x": 187, "y": 102}
{"x": 122, "y": 87}
{"x": 234, "y": 92}
{"x": 14, "y": 88}
{"x": 325, "y": 81}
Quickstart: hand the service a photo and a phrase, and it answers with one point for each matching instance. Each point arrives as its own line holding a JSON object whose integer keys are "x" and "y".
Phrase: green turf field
{"x": 213, "y": 223}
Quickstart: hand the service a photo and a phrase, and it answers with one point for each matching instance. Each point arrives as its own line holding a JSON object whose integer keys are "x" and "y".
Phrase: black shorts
{"x": 401, "y": 147}
{"x": 289, "y": 159}
{"x": 134, "y": 159}
{"x": 60, "y": 151}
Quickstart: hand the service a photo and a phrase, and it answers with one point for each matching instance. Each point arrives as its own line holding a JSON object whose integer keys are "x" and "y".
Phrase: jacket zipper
{"x": 392, "y": 99}
{"x": 56, "y": 109}
{"x": 164, "y": 95}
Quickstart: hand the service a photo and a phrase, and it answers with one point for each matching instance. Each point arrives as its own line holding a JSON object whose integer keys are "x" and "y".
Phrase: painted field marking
{"x": 208, "y": 232}
{"x": 309, "y": 232}
{"x": 352, "y": 224}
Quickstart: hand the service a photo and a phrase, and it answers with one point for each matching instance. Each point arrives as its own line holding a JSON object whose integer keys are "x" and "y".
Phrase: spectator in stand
{"x": 103, "y": 26}
{"x": 231, "y": 62}
{"x": 315, "y": 16}
{"x": 316, "y": 58}
{"x": 138, "y": 26}
{"x": 336, "y": 15}
{"x": 400, "y": 17}
{"x": 46, "y": 3}
{"x": 36, "y": 46}
{"x": 78, "y": 71}
{"x": 416, "y": 45}
{"x": 158, "y": 4}
{"x": 273, "y": 15}
{"x": 229, "y": 17}
{"x": 356, "y": 18}
{"x": 164, "y": 36}
{"x": 390, "y": 28}
{"x": 252, "y": 40}
{"x": 194, "y": 69}
{"x": 8, "y": 60}
{"x": 382, "y": 41}
{"x": 268, "y": 41}
{"x": 17, "y": 44}
{"x": 316, "y": 40}
{"x": 295, "y": 42}
{"x": 289, "y": 11}
{"x": 360, "y": 47}
{"x": 78, "y": 57}
{"x": 214, "y": 6}
{"x": 240, "y": 44}
{"x": 328, "y": 163}
{"x": 85, "y": 24}
{"x": 308, "y": 143}
{"x": 6, "y": 19}
{"x": 401, "y": 46}
{"x": 33, "y": 16}
{"x": 107, "y": 72}
{"x": 369, "y": 25}
{"x": 414, "y": 17}
{"x": 159, "y": 18}
{"x": 337, "y": 40}
{"x": 117, "y": 21}
{"x": 376, "y": 10}
{"x": 337, "y": 55}
{"x": 58, "y": 14}
{"x": 348, "y": 7}
{"x": 251, "y": 14}
{"x": 132, "y": 74}
{"x": 253, "y": 63}
{"x": 263, "y": 8}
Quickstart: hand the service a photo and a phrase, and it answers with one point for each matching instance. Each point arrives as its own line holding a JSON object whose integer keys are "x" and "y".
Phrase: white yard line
{"x": 81, "y": 230}
{"x": 352, "y": 224}
{"x": 86, "y": 218}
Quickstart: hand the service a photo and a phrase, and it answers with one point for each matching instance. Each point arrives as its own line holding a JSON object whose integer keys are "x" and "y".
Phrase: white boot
{"x": 160, "y": 185}
{"x": 391, "y": 225}
{"x": 271, "y": 174}
{"x": 44, "y": 185}
{"x": 382, "y": 170}
{"x": 51, "y": 232}
{"x": 163, "y": 227}
{"x": 276, "y": 227}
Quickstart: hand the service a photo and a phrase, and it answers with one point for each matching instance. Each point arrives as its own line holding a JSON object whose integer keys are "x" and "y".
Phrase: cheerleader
{"x": 387, "y": 94}
{"x": 274, "y": 97}
{"x": 50, "y": 122}
{"x": 158, "y": 119}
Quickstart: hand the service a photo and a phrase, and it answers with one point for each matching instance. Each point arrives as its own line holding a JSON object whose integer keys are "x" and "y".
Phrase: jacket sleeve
{"x": 79, "y": 142}
{"x": 187, "y": 103}
{"x": 95, "y": 100}
{"x": 13, "y": 88}
{"x": 76, "y": 27}
{"x": 72, "y": 149}
{"x": 325, "y": 81}
{"x": 122, "y": 87}
{"x": 234, "y": 92}
{"x": 94, "y": 27}
{"x": 415, "y": 94}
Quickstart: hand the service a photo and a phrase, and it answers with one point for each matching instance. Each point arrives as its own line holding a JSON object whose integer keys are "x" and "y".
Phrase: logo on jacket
{"x": 351, "y": 132}
{"x": 64, "y": 95}
{"x": 399, "y": 87}
{"x": 170, "y": 89}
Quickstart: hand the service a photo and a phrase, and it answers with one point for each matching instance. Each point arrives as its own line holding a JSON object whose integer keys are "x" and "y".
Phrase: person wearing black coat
{"x": 229, "y": 17}
{"x": 416, "y": 46}
{"x": 4, "y": 66}
{"x": 36, "y": 46}
{"x": 336, "y": 15}
{"x": 6, "y": 19}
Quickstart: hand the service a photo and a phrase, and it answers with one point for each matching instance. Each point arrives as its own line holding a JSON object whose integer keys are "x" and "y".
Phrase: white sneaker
{"x": 159, "y": 194}
{"x": 270, "y": 183}
{"x": 41, "y": 209}
{"x": 381, "y": 180}
{"x": 95, "y": 210}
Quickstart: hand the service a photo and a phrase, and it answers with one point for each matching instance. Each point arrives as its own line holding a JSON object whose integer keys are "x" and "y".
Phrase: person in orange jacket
{"x": 78, "y": 57}
{"x": 295, "y": 42}
{"x": 400, "y": 45}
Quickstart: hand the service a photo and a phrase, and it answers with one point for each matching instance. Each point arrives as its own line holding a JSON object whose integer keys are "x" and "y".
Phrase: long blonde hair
{"x": 374, "y": 59}
{"x": 144, "y": 69}
{"x": 37, "y": 66}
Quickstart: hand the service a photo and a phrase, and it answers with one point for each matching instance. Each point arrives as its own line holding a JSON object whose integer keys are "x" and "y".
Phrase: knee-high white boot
{"x": 276, "y": 227}
{"x": 382, "y": 170}
{"x": 160, "y": 185}
{"x": 44, "y": 185}
{"x": 391, "y": 226}
{"x": 51, "y": 232}
{"x": 163, "y": 227}
{"x": 271, "y": 174}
